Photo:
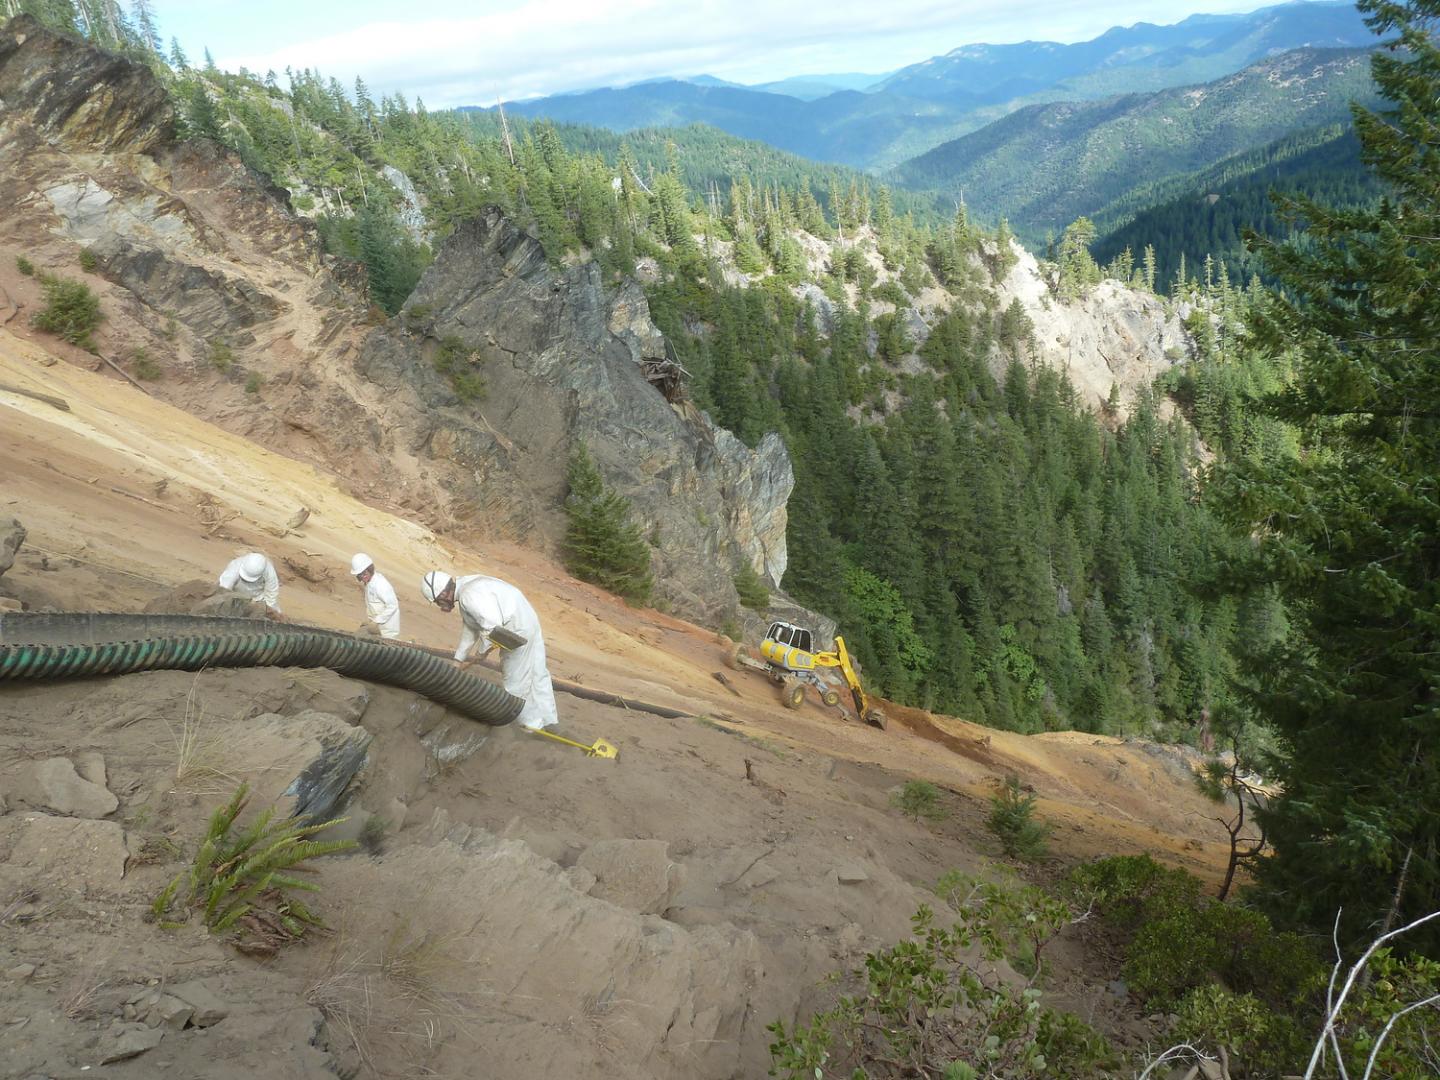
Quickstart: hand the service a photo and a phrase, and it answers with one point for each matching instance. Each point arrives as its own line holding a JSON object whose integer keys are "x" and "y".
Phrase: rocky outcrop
{"x": 411, "y": 212}
{"x": 81, "y": 97}
{"x": 1112, "y": 336}
{"x": 561, "y": 357}
{"x": 12, "y": 536}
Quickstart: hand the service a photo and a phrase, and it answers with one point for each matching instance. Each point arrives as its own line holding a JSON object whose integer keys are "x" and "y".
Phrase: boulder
{"x": 12, "y": 535}
{"x": 124, "y": 1041}
{"x": 53, "y": 784}
{"x": 209, "y": 1007}
{"x": 634, "y": 874}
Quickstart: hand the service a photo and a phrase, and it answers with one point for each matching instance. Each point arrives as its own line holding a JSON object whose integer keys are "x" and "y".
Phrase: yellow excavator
{"x": 791, "y": 661}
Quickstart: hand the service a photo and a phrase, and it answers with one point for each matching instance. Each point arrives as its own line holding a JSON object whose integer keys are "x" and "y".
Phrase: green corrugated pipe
{"x": 76, "y": 645}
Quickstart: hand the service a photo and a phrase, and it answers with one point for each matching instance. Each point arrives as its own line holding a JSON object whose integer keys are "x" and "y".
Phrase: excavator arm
{"x": 840, "y": 658}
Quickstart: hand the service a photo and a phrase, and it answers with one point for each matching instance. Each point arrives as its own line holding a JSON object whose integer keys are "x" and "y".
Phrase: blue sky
{"x": 456, "y": 53}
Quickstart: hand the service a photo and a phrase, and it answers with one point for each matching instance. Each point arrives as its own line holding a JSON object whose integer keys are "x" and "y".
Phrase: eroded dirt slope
{"x": 528, "y": 907}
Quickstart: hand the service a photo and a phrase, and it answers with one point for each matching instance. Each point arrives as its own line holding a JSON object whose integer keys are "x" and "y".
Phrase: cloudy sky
{"x": 459, "y": 52}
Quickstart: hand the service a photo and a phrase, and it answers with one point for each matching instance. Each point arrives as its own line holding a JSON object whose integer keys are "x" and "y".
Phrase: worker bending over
{"x": 382, "y": 609}
{"x": 488, "y": 604}
{"x": 253, "y": 577}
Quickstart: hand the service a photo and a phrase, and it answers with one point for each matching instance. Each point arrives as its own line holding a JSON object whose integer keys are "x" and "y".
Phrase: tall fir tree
{"x": 602, "y": 544}
{"x": 1348, "y": 532}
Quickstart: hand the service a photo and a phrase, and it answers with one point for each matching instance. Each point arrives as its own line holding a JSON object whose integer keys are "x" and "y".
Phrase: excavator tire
{"x": 876, "y": 717}
{"x": 733, "y": 652}
{"x": 830, "y": 697}
{"x": 792, "y": 694}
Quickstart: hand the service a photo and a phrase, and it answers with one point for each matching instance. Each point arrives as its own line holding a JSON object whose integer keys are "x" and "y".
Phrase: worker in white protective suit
{"x": 486, "y": 605}
{"x": 382, "y": 609}
{"x": 253, "y": 577}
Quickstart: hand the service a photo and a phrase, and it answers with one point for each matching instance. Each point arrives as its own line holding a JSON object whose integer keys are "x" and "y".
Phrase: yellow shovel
{"x": 600, "y": 749}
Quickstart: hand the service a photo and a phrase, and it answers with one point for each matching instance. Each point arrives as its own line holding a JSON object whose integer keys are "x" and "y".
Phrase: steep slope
{"x": 1046, "y": 165}
{"x": 207, "y": 275}
{"x": 560, "y": 915}
{"x": 1207, "y": 214}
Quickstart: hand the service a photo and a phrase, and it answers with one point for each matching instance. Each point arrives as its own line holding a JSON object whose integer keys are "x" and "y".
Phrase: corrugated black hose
{"x": 75, "y": 645}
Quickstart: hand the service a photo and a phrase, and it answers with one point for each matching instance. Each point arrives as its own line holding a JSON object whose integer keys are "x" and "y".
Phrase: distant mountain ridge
{"x": 1046, "y": 165}
{"x": 877, "y": 125}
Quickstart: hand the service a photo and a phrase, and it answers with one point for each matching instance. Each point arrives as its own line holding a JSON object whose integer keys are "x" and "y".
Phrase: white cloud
{"x": 549, "y": 46}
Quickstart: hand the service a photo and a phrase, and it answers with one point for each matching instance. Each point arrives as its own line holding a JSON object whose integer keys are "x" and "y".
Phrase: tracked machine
{"x": 790, "y": 660}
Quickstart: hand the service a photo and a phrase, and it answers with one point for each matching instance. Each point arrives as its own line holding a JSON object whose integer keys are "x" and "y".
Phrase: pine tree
{"x": 178, "y": 60}
{"x": 602, "y": 544}
{"x": 1348, "y": 533}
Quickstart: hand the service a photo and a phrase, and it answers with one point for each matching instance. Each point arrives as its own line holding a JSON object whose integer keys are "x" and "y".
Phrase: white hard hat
{"x": 360, "y": 562}
{"x": 434, "y": 583}
{"x": 252, "y": 566}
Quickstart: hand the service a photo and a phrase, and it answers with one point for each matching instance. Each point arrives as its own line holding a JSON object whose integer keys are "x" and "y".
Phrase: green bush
{"x": 253, "y": 382}
{"x": 24, "y": 265}
{"x": 1129, "y": 889}
{"x": 602, "y": 545}
{"x": 145, "y": 368}
{"x": 921, "y": 1009}
{"x": 1013, "y": 916}
{"x": 1183, "y": 940}
{"x": 456, "y": 361}
{"x": 239, "y": 880}
{"x": 1268, "y": 1042}
{"x": 751, "y": 587}
{"x": 222, "y": 357}
{"x": 71, "y": 311}
{"x": 1012, "y": 820}
{"x": 87, "y": 260}
{"x": 919, "y": 799}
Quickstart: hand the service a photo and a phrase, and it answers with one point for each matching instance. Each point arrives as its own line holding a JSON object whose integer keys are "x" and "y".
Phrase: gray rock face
{"x": 207, "y": 301}
{"x": 411, "y": 212}
{"x": 82, "y": 97}
{"x": 560, "y": 357}
{"x": 12, "y": 535}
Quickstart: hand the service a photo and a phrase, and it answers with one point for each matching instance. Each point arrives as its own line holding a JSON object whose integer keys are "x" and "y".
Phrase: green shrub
{"x": 145, "y": 368}
{"x": 1129, "y": 889}
{"x": 1267, "y": 1041}
{"x": 1183, "y": 940}
{"x": 222, "y": 357}
{"x": 456, "y": 361}
{"x": 1012, "y": 820}
{"x": 239, "y": 880}
{"x": 922, "y": 1010}
{"x": 1013, "y": 916}
{"x": 253, "y": 382}
{"x": 87, "y": 260}
{"x": 919, "y": 799}
{"x": 602, "y": 545}
{"x": 71, "y": 311}
{"x": 24, "y": 265}
{"x": 752, "y": 589}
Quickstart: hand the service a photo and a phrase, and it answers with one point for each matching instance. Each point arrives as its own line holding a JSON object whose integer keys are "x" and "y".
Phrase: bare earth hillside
{"x": 571, "y": 916}
{"x": 518, "y": 909}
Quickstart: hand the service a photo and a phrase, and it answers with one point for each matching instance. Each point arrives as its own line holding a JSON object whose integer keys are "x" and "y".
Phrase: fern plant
{"x": 239, "y": 878}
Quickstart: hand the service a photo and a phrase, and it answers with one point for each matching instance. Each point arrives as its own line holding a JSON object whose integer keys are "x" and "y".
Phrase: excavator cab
{"x": 788, "y": 634}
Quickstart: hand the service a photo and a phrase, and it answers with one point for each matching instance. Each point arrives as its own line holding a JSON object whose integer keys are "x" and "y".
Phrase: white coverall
{"x": 266, "y": 587}
{"x": 486, "y": 603}
{"x": 381, "y": 607}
